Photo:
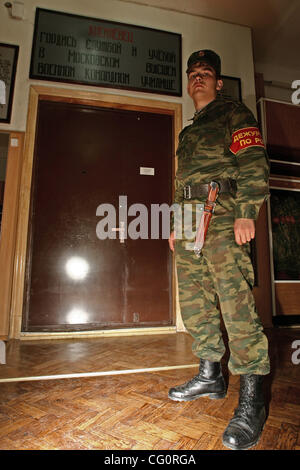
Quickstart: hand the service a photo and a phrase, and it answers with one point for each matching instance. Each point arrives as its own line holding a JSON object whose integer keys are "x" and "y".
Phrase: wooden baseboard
{"x": 98, "y": 333}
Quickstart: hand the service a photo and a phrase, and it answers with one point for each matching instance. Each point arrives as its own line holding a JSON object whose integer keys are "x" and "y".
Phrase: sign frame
{"x": 232, "y": 86}
{"x": 35, "y": 45}
{"x": 12, "y": 52}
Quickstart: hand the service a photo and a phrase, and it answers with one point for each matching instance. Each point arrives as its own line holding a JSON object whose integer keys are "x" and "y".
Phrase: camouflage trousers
{"x": 222, "y": 277}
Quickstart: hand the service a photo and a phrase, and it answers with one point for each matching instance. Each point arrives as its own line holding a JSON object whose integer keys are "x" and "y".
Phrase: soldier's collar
{"x": 202, "y": 111}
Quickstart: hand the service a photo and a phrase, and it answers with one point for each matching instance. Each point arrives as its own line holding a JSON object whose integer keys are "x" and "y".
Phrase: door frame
{"x": 9, "y": 226}
{"x": 38, "y": 93}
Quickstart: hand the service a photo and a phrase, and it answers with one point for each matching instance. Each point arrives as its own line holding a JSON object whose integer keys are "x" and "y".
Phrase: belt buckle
{"x": 215, "y": 184}
{"x": 187, "y": 194}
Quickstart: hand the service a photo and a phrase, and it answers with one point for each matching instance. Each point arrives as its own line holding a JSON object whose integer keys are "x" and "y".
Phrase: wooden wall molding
{"x": 9, "y": 227}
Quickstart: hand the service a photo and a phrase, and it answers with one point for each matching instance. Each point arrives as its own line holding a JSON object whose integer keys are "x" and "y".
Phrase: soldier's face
{"x": 202, "y": 82}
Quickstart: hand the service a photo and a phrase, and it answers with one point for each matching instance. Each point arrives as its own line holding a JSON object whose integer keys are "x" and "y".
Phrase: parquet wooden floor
{"x": 99, "y": 355}
{"x": 132, "y": 411}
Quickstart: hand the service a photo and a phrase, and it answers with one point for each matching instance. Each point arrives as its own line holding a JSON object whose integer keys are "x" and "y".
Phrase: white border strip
{"x": 118, "y": 332}
{"x": 284, "y": 161}
{"x": 290, "y": 180}
{"x": 263, "y": 100}
{"x": 96, "y": 374}
{"x": 287, "y": 281}
{"x": 284, "y": 189}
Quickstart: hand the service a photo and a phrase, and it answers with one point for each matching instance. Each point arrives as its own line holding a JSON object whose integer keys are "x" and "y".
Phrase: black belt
{"x": 199, "y": 190}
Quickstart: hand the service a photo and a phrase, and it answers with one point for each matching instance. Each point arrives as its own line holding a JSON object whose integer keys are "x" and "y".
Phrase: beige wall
{"x": 232, "y": 42}
{"x": 281, "y": 78}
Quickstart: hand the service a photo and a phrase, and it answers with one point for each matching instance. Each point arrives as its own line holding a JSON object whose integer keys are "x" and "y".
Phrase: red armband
{"x": 244, "y": 138}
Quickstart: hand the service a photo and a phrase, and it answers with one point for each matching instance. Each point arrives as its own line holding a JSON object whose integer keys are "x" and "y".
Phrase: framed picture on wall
{"x": 231, "y": 88}
{"x": 8, "y": 67}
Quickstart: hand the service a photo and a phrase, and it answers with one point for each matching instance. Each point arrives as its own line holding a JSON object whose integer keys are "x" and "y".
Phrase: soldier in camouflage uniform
{"x": 222, "y": 144}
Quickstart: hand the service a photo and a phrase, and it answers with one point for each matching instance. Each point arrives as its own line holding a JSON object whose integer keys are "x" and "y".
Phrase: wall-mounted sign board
{"x": 90, "y": 51}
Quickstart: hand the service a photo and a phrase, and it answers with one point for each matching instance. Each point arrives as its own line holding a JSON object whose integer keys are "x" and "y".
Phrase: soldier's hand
{"x": 172, "y": 241}
{"x": 244, "y": 230}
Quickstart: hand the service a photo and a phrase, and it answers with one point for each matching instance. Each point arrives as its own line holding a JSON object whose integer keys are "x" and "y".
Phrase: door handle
{"x": 120, "y": 229}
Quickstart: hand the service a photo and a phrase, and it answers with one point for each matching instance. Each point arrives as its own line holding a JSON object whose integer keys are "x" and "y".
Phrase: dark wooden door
{"x": 86, "y": 157}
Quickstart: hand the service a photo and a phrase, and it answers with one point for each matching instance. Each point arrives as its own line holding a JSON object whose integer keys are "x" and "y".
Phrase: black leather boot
{"x": 245, "y": 428}
{"x": 209, "y": 382}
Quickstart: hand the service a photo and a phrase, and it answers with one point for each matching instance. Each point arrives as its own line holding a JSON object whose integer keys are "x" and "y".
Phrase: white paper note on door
{"x": 146, "y": 171}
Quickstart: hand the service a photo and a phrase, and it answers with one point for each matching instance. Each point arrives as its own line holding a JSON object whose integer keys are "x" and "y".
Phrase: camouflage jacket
{"x": 224, "y": 142}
